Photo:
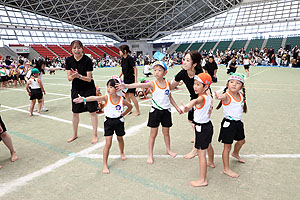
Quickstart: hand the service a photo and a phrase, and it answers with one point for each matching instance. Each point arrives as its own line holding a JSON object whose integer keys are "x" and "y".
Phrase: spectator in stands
{"x": 8, "y": 60}
{"x": 211, "y": 68}
{"x": 79, "y": 70}
{"x": 129, "y": 71}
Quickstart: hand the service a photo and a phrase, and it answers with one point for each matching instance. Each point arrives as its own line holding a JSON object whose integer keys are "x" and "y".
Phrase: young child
{"x": 232, "y": 127}
{"x": 247, "y": 64}
{"x": 203, "y": 125}
{"x": 142, "y": 92}
{"x": 160, "y": 112}
{"x": 4, "y": 136}
{"x": 100, "y": 103}
{"x": 114, "y": 122}
{"x": 36, "y": 90}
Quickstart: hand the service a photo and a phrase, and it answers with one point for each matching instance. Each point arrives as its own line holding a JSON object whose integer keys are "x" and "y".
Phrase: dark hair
{"x": 245, "y": 108}
{"x": 196, "y": 58}
{"x": 112, "y": 82}
{"x": 147, "y": 62}
{"x": 76, "y": 42}
{"x": 39, "y": 64}
{"x": 211, "y": 57}
{"x": 124, "y": 48}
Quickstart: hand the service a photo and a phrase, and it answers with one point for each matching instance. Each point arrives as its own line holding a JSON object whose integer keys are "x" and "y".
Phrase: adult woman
{"x": 191, "y": 67}
{"x": 129, "y": 71}
{"x": 79, "y": 70}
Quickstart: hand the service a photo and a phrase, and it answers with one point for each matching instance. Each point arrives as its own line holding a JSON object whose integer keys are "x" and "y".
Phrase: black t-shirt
{"x": 83, "y": 66}
{"x": 210, "y": 67}
{"x": 189, "y": 82}
{"x": 127, "y": 65}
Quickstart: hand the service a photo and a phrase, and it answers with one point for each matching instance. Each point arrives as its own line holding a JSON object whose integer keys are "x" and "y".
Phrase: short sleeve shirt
{"x": 127, "y": 65}
{"x": 189, "y": 82}
{"x": 211, "y": 67}
{"x": 83, "y": 66}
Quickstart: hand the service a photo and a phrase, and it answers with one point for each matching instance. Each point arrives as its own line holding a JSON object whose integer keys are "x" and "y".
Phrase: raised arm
{"x": 81, "y": 99}
{"x": 192, "y": 103}
{"x": 121, "y": 86}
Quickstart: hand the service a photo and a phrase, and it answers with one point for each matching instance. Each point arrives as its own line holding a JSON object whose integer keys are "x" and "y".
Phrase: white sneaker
{"x": 44, "y": 109}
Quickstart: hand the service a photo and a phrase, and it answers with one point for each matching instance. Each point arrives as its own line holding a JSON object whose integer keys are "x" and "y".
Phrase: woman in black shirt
{"x": 192, "y": 67}
{"x": 79, "y": 69}
{"x": 129, "y": 71}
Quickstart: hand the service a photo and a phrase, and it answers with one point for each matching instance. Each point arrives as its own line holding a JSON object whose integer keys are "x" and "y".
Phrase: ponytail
{"x": 245, "y": 104}
{"x": 220, "y": 104}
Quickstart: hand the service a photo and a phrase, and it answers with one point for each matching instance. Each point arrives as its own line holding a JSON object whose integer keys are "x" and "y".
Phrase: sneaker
{"x": 44, "y": 109}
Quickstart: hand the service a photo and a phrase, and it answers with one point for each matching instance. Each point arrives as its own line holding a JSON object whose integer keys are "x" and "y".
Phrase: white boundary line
{"x": 100, "y": 156}
{"x": 23, "y": 90}
{"x": 55, "y": 118}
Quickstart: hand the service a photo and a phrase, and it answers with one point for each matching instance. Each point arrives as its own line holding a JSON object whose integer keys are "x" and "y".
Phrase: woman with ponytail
{"x": 191, "y": 67}
{"x": 232, "y": 127}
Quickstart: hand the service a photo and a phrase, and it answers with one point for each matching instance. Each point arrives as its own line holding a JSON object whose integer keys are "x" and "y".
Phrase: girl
{"x": 247, "y": 63}
{"x": 7, "y": 141}
{"x": 203, "y": 125}
{"x": 161, "y": 109}
{"x": 232, "y": 127}
{"x": 36, "y": 90}
{"x": 129, "y": 71}
{"x": 79, "y": 70}
{"x": 191, "y": 67}
{"x": 114, "y": 122}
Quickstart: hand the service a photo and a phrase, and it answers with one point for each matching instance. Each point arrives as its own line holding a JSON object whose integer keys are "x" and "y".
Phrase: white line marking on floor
{"x": 98, "y": 156}
{"x": 23, "y": 90}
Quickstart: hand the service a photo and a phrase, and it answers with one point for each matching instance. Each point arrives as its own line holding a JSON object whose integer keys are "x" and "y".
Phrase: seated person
{"x": 147, "y": 69}
{"x": 142, "y": 92}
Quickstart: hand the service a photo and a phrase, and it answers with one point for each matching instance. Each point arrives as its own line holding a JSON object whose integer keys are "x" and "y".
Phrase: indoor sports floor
{"x": 50, "y": 168}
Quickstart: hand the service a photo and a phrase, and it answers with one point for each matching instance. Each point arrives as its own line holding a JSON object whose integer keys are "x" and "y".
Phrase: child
{"x": 36, "y": 90}
{"x": 22, "y": 72}
{"x": 100, "y": 104}
{"x": 232, "y": 127}
{"x": 142, "y": 92}
{"x": 203, "y": 125}
{"x": 7, "y": 141}
{"x": 161, "y": 109}
{"x": 247, "y": 63}
{"x": 114, "y": 122}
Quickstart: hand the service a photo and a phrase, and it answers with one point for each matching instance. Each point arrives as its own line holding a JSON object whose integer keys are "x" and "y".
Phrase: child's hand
{"x": 120, "y": 86}
{"x": 185, "y": 108}
{"x": 216, "y": 94}
{"x": 79, "y": 99}
{"x": 179, "y": 111}
{"x": 29, "y": 93}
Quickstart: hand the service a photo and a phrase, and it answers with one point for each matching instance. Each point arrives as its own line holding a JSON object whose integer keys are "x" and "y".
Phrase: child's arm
{"x": 192, "y": 103}
{"x": 175, "y": 104}
{"x": 223, "y": 97}
{"x": 81, "y": 99}
{"x": 41, "y": 86}
{"x": 27, "y": 87}
{"x": 122, "y": 86}
{"x": 174, "y": 84}
{"x": 129, "y": 108}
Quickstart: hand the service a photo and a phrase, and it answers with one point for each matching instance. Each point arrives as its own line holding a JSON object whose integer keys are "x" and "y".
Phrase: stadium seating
{"x": 16, "y": 45}
{"x": 43, "y": 51}
{"x": 67, "y": 48}
{"x": 293, "y": 41}
{"x": 208, "y": 46}
{"x": 96, "y": 50}
{"x": 275, "y": 43}
{"x": 239, "y": 44}
{"x": 88, "y": 51}
{"x": 182, "y": 47}
{"x": 255, "y": 43}
{"x": 115, "y": 49}
{"x": 108, "y": 51}
{"x": 58, "y": 50}
{"x": 223, "y": 45}
{"x": 195, "y": 46}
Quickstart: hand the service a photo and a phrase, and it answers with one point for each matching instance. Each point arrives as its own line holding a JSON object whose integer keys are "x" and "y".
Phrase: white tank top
{"x": 233, "y": 110}
{"x": 112, "y": 110}
{"x": 34, "y": 83}
{"x": 160, "y": 96}
{"x": 201, "y": 114}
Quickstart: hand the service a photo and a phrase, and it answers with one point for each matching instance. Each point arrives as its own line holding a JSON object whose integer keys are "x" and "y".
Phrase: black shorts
{"x": 3, "y": 127}
{"x": 3, "y": 78}
{"x": 83, "y": 107}
{"x": 246, "y": 66}
{"x": 36, "y": 94}
{"x": 191, "y": 115}
{"x": 22, "y": 77}
{"x": 14, "y": 77}
{"x": 231, "y": 130}
{"x": 131, "y": 90}
{"x": 112, "y": 125}
{"x": 159, "y": 116}
{"x": 203, "y": 135}
{"x": 232, "y": 69}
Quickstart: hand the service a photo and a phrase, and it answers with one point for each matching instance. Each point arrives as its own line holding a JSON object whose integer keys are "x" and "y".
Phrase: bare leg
{"x": 193, "y": 153}
{"x": 225, "y": 158}
{"x": 136, "y": 104}
{"x": 8, "y": 142}
{"x": 32, "y": 103}
{"x": 75, "y": 122}
{"x": 108, "y": 141}
{"x": 121, "y": 147}
{"x": 211, "y": 153}
{"x": 153, "y": 134}
{"x": 165, "y": 131}
{"x": 40, "y": 104}
{"x": 203, "y": 170}
{"x": 94, "y": 119}
{"x": 236, "y": 151}
{"x": 129, "y": 100}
